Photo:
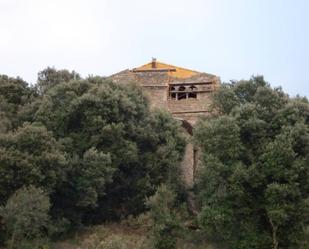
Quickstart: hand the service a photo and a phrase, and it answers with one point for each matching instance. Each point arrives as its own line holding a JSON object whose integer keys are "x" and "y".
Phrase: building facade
{"x": 184, "y": 93}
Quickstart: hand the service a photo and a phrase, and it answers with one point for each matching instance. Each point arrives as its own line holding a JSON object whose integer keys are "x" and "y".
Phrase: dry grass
{"x": 133, "y": 233}
{"x": 109, "y": 236}
{"x": 119, "y": 236}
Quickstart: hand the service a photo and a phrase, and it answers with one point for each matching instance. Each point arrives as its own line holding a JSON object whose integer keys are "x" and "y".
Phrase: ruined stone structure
{"x": 184, "y": 93}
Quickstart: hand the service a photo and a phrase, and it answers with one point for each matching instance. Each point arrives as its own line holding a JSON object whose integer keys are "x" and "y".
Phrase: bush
{"x": 113, "y": 242}
{"x": 118, "y": 151}
{"x": 42, "y": 243}
{"x": 253, "y": 183}
{"x": 164, "y": 218}
{"x": 25, "y": 217}
{"x": 142, "y": 221}
{"x": 103, "y": 240}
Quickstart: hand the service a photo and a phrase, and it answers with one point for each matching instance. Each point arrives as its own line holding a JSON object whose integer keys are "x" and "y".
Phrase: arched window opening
{"x": 193, "y": 88}
{"x": 180, "y": 92}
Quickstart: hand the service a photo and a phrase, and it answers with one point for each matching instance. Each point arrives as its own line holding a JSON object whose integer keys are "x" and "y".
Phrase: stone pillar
{"x": 187, "y": 166}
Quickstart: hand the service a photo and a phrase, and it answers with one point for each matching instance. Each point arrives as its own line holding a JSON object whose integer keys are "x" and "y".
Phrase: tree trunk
{"x": 274, "y": 233}
{"x": 13, "y": 238}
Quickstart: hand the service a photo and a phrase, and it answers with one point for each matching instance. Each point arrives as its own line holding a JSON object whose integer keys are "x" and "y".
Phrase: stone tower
{"x": 185, "y": 94}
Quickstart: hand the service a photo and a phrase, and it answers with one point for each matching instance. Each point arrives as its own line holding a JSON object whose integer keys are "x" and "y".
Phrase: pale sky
{"x": 233, "y": 39}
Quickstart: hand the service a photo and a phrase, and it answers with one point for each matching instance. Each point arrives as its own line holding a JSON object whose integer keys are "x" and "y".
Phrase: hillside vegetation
{"x": 84, "y": 163}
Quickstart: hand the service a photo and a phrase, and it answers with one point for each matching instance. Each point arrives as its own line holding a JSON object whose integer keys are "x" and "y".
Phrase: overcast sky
{"x": 230, "y": 38}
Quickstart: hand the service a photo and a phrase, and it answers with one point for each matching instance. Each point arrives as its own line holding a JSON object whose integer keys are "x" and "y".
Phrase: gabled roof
{"x": 174, "y": 71}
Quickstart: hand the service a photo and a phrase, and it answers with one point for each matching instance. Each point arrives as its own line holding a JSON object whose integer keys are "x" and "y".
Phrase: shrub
{"x": 25, "y": 216}
{"x": 253, "y": 183}
{"x": 164, "y": 218}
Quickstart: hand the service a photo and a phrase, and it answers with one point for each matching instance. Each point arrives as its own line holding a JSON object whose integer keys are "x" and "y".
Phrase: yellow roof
{"x": 173, "y": 71}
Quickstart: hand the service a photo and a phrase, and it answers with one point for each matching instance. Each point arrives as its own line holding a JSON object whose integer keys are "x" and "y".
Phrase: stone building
{"x": 184, "y": 93}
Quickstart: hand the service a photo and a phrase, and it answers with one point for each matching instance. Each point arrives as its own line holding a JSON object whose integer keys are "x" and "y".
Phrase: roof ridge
{"x": 177, "y": 67}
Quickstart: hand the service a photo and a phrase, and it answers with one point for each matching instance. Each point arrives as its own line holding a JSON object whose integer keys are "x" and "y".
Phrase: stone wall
{"x": 156, "y": 84}
{"x": 187, "y": 166}
{"x": 157, "y": 96}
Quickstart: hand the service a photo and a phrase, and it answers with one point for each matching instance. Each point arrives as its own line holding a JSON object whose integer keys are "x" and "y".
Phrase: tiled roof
{"x": 174, "y": 71}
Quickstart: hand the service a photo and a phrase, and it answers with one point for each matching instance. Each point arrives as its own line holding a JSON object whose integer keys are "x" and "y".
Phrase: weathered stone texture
{"x": 185, "y": 93}
{"x": 159, "y": 80}
{"x": 187, "y": 166}
{"x": 157, "y": 96}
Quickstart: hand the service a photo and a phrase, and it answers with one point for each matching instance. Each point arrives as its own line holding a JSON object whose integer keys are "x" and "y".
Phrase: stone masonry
{"x": 182, "y": 92}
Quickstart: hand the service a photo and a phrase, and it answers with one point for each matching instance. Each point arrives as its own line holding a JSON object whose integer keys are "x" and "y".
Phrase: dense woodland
{"x": 78, "y": 152}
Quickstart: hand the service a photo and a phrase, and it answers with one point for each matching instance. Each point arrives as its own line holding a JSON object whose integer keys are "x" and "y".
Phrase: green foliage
{"x": 94, "y": 147}
{"x": 143, "y": 148}
{"x": 164, "y": 218}
{"x": 50, "y": 77}
{"x": 113, "y": 242}
{"x": 15, "y": 95}
{"x": 30, "y": 156}
{"x": 25, "y": 216}
{"x": 254, "y": 182}
{"x": 40, "y": 243}
{"x": 143, "y": 221}
{"x": 14, "y": 90}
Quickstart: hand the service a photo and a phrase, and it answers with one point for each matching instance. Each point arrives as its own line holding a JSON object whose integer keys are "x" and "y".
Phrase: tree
{"x": 25, "y": 215}
{"x": 30, "y": 156}
{"x": 165, "y": 221}
{"x": 105, "y": 120}
{"x": 51, "y": 77}
{"x": 15, "y": 90}
{"x": 5, "y": 116}
{"x": 15, "y": 94}
{"x": 254, "y": 181}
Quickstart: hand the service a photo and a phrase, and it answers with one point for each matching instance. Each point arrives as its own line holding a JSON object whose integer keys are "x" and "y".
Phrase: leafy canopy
{"x": 26, "y": 215}
{"x": 15, "y": 95}
{"x": 254, "y": 180}
{"x": 30, "y": 156}
{"x": 133, "y": 150}
{"x": 94, "y": 147}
